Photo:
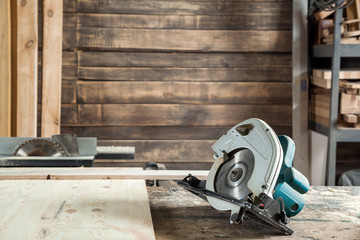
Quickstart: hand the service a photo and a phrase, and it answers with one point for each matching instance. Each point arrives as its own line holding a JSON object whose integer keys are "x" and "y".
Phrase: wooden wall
{"x": 170, "y": 77}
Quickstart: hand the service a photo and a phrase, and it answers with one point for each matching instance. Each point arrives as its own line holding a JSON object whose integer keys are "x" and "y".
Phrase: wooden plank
{"x": 159, "y": 132}
{"x": 51, "y": 68}
{"x": 185, "y": 40}
{"x": 184, "y": 60}
{"x": 349, "y": 85}
{"x": 201, "y": 22}
{"x": 349, "y": 104}
{"x": 350, "y": 118}
{"x": 94, "y": 209}
{"x": 185, "y": 74}
{"x": 321, "y": 82}
{"x": 344, "y": 74}
{"x": 211, "y": 7}
{"x": 169, "y": 165}
{"x": 27, "y": 50}
{"x": 320, "y": 218}
{"x": 183, "y": 92}
{"x": 95, "y": 174}
{"x": 322, "y": 14}
{"x": 5, "y": 69}
{"x": 185, "y": 151}
{"x": 180, "y": 114}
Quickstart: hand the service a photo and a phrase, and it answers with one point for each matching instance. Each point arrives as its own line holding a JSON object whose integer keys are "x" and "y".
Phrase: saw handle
{"x": 291, "y": 184}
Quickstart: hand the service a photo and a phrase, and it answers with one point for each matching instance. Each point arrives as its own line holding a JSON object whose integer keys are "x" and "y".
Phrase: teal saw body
{"x": 291, "y": 184}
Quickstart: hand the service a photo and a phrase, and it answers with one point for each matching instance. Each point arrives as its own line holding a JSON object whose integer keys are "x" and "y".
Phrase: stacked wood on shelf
{"x": 349, "y": 105}
{"x": 350, "y": 27}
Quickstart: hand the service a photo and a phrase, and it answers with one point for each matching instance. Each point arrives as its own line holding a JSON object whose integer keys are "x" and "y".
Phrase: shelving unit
{"x": 333, "y": 131}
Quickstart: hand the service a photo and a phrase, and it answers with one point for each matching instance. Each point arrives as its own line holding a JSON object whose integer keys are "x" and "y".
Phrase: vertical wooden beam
{"x": 27, "y": 68}
{"x": 5, "y": 68}
{"x": 51, "y": 67}
{"x": 300, "y": 87}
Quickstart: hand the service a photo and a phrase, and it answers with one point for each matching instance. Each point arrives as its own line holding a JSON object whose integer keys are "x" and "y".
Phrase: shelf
{"x": 346, "y": 50}
{"x": 344, "y": 134}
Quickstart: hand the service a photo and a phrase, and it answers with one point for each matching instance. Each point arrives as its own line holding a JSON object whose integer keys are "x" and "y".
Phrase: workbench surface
{"x": 329, "y": 213}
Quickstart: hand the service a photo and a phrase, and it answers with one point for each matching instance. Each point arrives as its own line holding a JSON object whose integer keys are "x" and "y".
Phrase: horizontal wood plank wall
{"x": 170, "y": 77}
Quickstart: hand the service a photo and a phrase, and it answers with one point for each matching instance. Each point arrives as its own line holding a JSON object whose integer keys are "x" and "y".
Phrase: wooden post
{"x": 27, "y": 68}
{"x": 51, "y": 67}
{"x": 5, "y": 68}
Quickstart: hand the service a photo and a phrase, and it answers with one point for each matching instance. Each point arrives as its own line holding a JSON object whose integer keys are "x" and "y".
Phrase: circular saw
{"x": 253, "y": 173}
{"x": 39, "y": 147}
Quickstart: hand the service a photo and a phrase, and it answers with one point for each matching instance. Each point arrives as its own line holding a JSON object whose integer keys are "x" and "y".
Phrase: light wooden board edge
{"x": 27, "y": 68}
{"x": 96, "y": 174}
{"x": 5, "y": 69}
{"x": 51, "y": 68}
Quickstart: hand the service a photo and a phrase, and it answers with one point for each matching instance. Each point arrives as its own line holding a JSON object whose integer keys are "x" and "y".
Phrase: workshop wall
{"x": 170, "y": 77}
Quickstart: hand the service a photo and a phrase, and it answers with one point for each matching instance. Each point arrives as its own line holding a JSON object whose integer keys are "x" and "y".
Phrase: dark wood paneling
{"x": 203, "y": 22}
{"x": 69, "y": 114}
{"x": 158, "y": 132}
{"x": 165, "y": 151}
{"x": 182, "y": 40}
{"x": 210, "y": 7}
{"x": 183, "y": 92}
{"x": 180, "y": 115}
{"x": 184, "y": 60}
{"x": 186, "y": 74}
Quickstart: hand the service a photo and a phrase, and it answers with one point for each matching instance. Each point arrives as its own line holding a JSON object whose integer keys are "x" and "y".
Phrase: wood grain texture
{"x": 179, "y": 114}
{"x": 186, "y": 74}
{"x": 185, "y": 40}
{"x": 159, "y": 132}
{"x": 166, "y": 150}
{"x": 183, "y": 92}
{"x": 344, "y": 74}
{"x": 211, "y": 7}
{"x": 96, "y": 209}
{"x": 184, "y": 60}
{"x": 201, "y": 22}
{"x": 27, "y": 56}
{"x": 320, "y": 218}
{"x": 51, "y": 68}
{"x": 95, "y": 174}
{"x": 5, "y": 69}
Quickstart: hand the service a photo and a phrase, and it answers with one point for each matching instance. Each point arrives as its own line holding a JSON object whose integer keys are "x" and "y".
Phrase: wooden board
{"x": 95, "y": 174}
{"x": 166, "y": 150}
{"x": 349, "y": 103}
{"x": 320, "y": 219}
{"x": 51, "y": 68}
{"x": 179, "y": 114}
{"x": 203, "y": 22}
{"x": 321, "y": 82}
{"x": 185, "y": 40}
{"x": 344, "y": 74}
{"x": 95, "y": 209}
{"x": 27, "y": 57}
{"x": 183, "y": 60}
{"x": 201, "y": 7}
{"x": 159, "y": 132}
{"x": 183, "y": 92}
{"x": 5, "y": 69}
{"x": 185, "y": 74}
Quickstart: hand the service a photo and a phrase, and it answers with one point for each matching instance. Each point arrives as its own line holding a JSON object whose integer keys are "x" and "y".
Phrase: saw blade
{"x": 233, "y": 175}
{"x": 39, "y": 147}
